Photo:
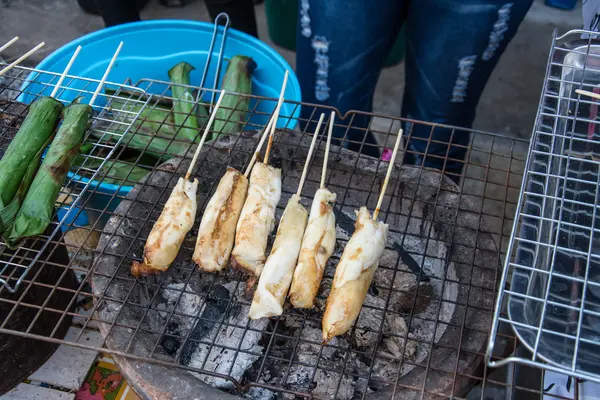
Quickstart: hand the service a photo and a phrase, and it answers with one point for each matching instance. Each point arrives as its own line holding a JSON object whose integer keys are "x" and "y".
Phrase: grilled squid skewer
{"x": 277, "y": 274}
{"x": 217, "y": 229}
{"x": 257, "y": 219}
{"x": 358, "y": 264}
{"x": 174, "y": 223}
{"x": 354, "y": 274}
{"x": 176, "y": 218}
{"x": 318, "y": 245}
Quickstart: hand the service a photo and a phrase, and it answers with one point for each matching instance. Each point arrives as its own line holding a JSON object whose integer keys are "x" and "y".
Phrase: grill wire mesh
{"x": 550, "y": 284}
{"x": 448, "y": 245}
{"x": 30, "y": 84}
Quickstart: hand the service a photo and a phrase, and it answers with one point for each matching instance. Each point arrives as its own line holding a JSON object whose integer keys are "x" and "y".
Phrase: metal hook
{"x": 226, "y": 25}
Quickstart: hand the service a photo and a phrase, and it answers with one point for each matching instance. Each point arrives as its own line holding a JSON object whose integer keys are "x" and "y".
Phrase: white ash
{"x": 325, "y": 383}
{"x": 396, "y": 346}
{"x": 189, "y": 304}
{"x": 258, "y": 393}
{"x": 221, "y": 357}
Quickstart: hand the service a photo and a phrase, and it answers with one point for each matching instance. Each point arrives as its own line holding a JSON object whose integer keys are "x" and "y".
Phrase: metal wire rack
{"x": 421, "y": 333}
{"x": 107, "y": 128}
{"x": 550, "y": 287}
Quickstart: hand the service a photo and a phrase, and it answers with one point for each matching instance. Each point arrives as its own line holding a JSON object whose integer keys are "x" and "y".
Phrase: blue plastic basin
{"x": 150, "y": 49}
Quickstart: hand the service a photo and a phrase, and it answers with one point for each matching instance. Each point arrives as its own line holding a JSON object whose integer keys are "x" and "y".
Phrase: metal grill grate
{"x": 107, "y": 129}
{"x": 551, "y": 283}
{"x": 421, "y": 333}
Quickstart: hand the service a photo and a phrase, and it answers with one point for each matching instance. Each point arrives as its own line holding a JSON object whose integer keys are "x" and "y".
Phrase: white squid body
{"x": 257, "y": 219}
{"x": 277, "y": 274}
{"x": 354, "y": 274}
{"x": 217, "y": 228}
{"x": 318, "y": 245}
{"x": 168, "y": 232}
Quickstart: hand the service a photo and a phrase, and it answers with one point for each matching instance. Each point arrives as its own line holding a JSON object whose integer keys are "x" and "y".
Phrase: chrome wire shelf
{"x": 550, "y": 286}
{"x": 22, "y": 86}
{"x": 421, "y": 333}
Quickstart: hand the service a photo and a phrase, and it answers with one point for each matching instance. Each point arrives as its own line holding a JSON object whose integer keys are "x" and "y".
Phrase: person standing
{"x": 452, "y": 47}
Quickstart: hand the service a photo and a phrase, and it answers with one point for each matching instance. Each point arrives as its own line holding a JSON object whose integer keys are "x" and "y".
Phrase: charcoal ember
{"x": 397, "y": 342}
{"x": 369, "y": 323}
{"x": 408, "y": 291}
{"x": 311, "y": 352}
{"x": 214, "y": 308}
{"x": 258, "y": 393}
{"x": 325, "y": 385}
{"x": 235, "y": 332}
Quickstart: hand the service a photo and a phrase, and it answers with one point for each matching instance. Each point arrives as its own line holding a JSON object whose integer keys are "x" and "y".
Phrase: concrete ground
{"x": 508, "y": 104}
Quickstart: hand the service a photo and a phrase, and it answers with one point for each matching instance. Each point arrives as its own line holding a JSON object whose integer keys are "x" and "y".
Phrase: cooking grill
{"x": 551, "y": 282}
{"x": 424, "y": 326}
{"x": 106, "y": 123}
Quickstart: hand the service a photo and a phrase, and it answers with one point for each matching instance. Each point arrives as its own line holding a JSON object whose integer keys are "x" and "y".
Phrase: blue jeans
{"x": 452, "y": 47}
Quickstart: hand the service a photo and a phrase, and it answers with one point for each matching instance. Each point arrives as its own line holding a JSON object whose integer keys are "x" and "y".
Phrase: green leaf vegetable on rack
{"x": 183, "y": 102}
{"x": 234, "y": 109}
{"x": 20, "y": 163}
{"x": 168, "y": 128}
{"x": 35, "y": 213}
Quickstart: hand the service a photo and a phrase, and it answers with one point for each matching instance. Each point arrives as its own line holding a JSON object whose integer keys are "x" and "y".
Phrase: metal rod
{"x": 309, "y": 156}
{"x": 7, "y": 44}
{"x": 18, "y": 60}
{"x": 65, "y": 72}
{"x": 204, "y": 135}
{"x": 209, "y": 57}
{"x": 103, "y": 80}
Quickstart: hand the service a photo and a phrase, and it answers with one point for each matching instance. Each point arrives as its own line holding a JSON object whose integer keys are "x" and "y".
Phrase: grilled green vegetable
{"x": 22, "y": 158}
{"x": 35, "y": 213}
{"x": 183, "y": 102}
{"x": 154, "y": 130}
{"x": 113, "y": 172}
{"x": 232, "y": 114}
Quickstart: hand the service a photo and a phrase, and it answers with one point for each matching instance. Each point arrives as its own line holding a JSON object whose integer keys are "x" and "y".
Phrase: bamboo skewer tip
{"x": 65, "y": 72}
{"x": 387, "y": 175}
{"x": 276, "y": 117}
{"x": 588, "y": 93}
{"x": 8, "y": 44}
{"x": 103, "y": 80}
{"x": 24, "y": 56}
{"x": 309, "y": 155}
{"x": 204, "y": 135}
{"x": 327, "y": 145}
{"x": 256, "y": 152}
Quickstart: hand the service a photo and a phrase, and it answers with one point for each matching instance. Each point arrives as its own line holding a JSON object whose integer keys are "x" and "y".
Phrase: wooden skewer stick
{"x": 110, "y": 65}
{"x": 329, "y": 133}
{"x": 588, "y": 93}
{"x": 11, "y": 41}
{"x": 18, "y": 60}
{"x": 204, "y": 135}
{"x": 65, "y": 72}
{"x": 387, "y": 175}
{"x": 276, "y": 117}
{"x": 309, "y": 156}
{"x": 263, "y": 137}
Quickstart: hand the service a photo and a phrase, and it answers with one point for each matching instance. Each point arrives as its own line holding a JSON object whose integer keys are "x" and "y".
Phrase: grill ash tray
{"x": 554, "y": 298}
{"x": 198, "y": 321}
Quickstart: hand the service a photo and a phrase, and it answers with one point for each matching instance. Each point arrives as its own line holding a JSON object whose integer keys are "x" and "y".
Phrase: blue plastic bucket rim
{"x": 108, "y": 188}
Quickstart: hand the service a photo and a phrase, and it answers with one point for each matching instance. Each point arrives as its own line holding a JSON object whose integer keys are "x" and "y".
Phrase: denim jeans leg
{"x": 341, "y": 48}
{"x": 452, "y": 48}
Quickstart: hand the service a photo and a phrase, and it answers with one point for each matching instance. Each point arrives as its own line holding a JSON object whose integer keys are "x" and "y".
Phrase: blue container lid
{"x": 151, "y": 48}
